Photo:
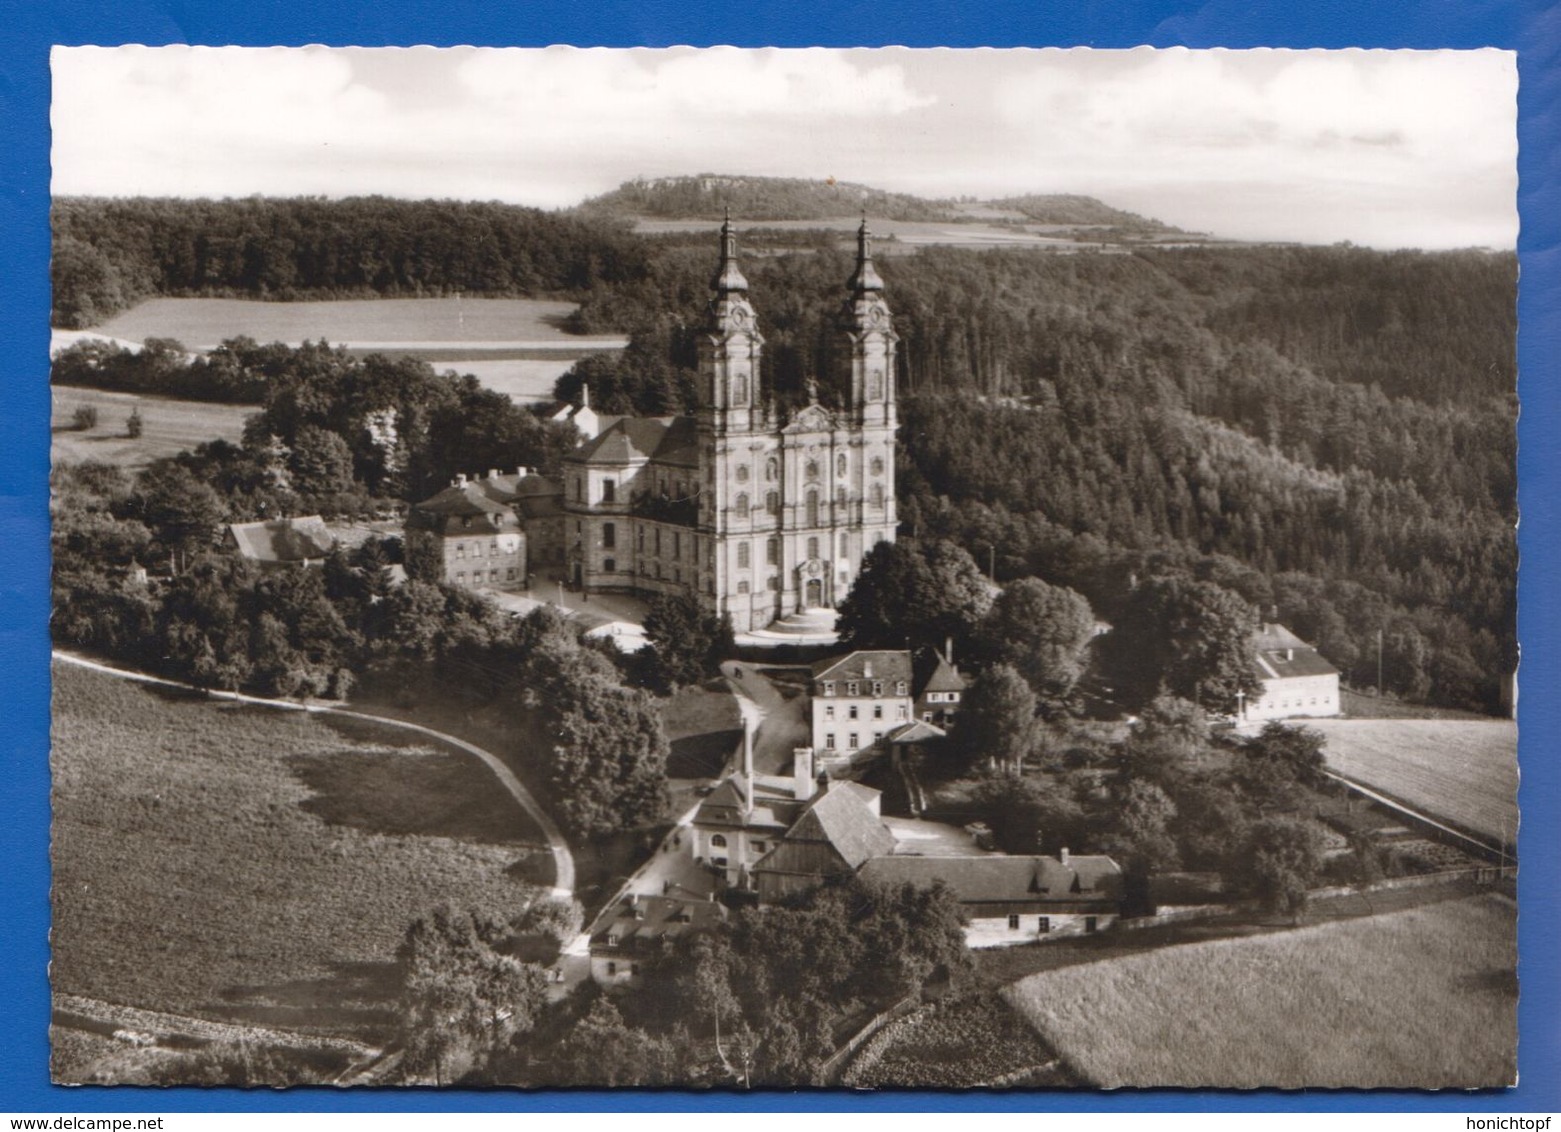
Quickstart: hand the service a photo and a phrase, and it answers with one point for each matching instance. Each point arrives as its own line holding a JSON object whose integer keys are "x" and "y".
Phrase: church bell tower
{"x": 729, "y": 349}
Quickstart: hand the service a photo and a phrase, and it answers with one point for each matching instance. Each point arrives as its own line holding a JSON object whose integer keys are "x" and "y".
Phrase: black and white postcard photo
{"x": 739, "y": 569}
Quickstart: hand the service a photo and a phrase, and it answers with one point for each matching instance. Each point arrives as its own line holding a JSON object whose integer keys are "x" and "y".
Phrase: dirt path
{"x": 563, "y": 859}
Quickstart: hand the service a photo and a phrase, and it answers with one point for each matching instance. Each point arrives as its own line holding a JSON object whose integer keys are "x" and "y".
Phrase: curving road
{"x": 563, "y": 859}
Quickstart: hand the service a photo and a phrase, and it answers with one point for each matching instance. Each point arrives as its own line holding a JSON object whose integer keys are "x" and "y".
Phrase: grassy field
{"x": 1422, "y": 998}
{"x": 258, "y": 866}
{"x": 202, "y": 323}
{"x": 169, "y": 426}
{"x": 1464, "y": 771}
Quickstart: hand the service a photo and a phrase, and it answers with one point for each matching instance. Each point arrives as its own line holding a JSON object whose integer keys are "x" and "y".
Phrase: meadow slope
{"x": 1423, "y": 998}
{"x": 259, "y": 866}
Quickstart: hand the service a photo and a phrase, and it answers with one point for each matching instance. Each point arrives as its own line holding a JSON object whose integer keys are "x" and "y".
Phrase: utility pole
{"x": 1380, "y": 689}
{"x": 991, "y": 562}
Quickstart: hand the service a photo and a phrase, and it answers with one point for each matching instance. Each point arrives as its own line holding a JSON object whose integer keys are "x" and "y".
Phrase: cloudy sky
{"x": 1386, "y": 148}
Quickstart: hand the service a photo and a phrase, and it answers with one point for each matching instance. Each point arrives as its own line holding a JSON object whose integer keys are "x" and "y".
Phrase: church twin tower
{"x": 764, "y": 515}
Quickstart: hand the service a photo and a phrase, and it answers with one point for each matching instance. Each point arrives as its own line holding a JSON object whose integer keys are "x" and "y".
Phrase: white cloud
{"x": 1414, "y": 147}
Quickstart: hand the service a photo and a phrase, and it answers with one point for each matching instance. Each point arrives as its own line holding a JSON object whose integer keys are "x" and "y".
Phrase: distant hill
{"x": 761, "y": 198}
{"x": 758, "y": 199}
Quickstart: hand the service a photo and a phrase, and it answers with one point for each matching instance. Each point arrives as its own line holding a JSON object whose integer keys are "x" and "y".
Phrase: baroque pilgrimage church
{"x": 763, "y": 514}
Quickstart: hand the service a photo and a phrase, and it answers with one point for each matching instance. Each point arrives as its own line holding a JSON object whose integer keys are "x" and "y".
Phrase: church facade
{"x": 760, "y": 512}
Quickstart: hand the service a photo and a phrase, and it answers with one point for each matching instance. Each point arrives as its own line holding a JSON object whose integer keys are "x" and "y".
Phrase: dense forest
{"x": 1330, "y": 432}
{"x": 111, "y": 254}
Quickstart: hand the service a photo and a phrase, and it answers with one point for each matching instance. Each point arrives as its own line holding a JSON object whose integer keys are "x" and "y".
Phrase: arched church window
{"x": 812, "y": 470}
{"x": 840, "y": 465}
{"x": 742, "y": 505}
{"x": 742, "y": 556}
{"x": 771, "y": 470}
{"x": 772, "y": 502}
{"x": 742, "y": 473}
{"x": 740, "y": 390}
{"x": 812, "y": 508}
{"x": 772, "y": 551}
{"x": 875, "y": 385}
{"x": 812, "y": 548}
{"x": 840, "y": 498}
{"x": 877, "y": 465}
{"x": 845, "y": 547}
{"x": 877, "y": 495}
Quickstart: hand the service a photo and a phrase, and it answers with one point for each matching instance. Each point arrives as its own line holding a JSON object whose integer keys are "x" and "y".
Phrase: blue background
{"x": 27, "y": 30}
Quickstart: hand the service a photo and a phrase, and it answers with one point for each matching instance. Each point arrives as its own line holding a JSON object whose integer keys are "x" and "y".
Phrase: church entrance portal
{"x": 815, "y": 593}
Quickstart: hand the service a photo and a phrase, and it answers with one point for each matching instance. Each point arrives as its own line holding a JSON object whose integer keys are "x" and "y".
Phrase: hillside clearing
{"x": 1423, "y": 998}
{"x": 1463, "y": 771}
{"x": 258, "y": 866}
{"x": 202, "y": 323}
{"x": 169, "y": 426}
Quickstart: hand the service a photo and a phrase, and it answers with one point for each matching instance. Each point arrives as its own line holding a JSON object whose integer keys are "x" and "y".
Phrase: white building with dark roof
{"x": 857, "y": 699}
{"x": 1297, "y": 681}
{"x": 1013, "y": 900}
{"x": 481, "y": 543}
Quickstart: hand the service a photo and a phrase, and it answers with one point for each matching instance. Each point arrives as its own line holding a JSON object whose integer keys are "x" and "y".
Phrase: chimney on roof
{"x": 460, "y": 479}
{"x": 1062, "y": 855}
{"x": 867, "y": 669}
{"x": 493, "y": 473}
{"x": 1289, "y": 654}
{"x": 803, "y": 782}
{"x": 747, "y": 787}
{"x": 585, "y": 395}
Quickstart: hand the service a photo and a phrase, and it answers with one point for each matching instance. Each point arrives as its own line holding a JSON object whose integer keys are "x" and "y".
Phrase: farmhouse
{"x": 641, "y": 925}
{"x": 1016, "y": 899}
{"x": 1297, "y": 681}
{"x": 762, "y": 512}
{"x": 939, "y": 688}
{"x": 279, "y": 543}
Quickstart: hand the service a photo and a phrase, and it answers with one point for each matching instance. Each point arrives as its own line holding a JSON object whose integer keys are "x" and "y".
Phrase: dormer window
{"x": 609, "y": 491}
{"x": 899, "y": 688}
{"x": 877, "y": 687}
{"x": 829, "y": 687}
{"x": 852, "y": 688}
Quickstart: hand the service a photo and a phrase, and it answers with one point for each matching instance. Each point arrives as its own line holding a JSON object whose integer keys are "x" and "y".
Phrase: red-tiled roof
{"x": 283, "y": 540}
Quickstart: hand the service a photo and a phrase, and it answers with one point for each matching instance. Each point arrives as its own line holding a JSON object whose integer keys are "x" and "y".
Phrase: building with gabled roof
{"x": 1015, "y": 899}
{"x": 840, "y": 831}
{"x": 641, "y": 928}
{"x": 857, "y": 699}
{"x": 761, "y": 511}
{"x": 1297, "y": 680}
{"x": 481, "y": 543}
{"x": 940, "y": 687}
{"x": 276, "y": 543}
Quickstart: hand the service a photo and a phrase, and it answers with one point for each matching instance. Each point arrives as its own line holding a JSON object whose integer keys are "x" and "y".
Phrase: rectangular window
{"x": 877, "y": 687}
{"x": 610, "y": 535}
{"x": 829, "y": 687}
{"x": 904, "y": 712}
{"x": 609, "y": 491}
{"x": 877, "y": 736}
{"x": 855, "y": 742}
{"x": 493, "y": 575}
{"x": 677, "y": 544}
{"x": 460, "y": 579}
{"x": 772, "y": 552}
{"x": 853, "y": 711}
{"x": 511, "y": 573}
{"x": 878, "y": 711}
{"x": 1043, "y": 924}
{"x": 1013, "y": 922}
{"x": 829, "y": 712}
{"x": 829, "y": 741}
{"x": 1089, "y": 923}
{"x": 758, "y": 847}
{"x": 610, "y": 565}
{"x": 612, "y": 968}
{"x": 460, "y": 550}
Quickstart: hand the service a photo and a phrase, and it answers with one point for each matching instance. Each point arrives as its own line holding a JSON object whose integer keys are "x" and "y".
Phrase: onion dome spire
{"x": 865, "y": 278}
{"x": 728, "y": 277}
